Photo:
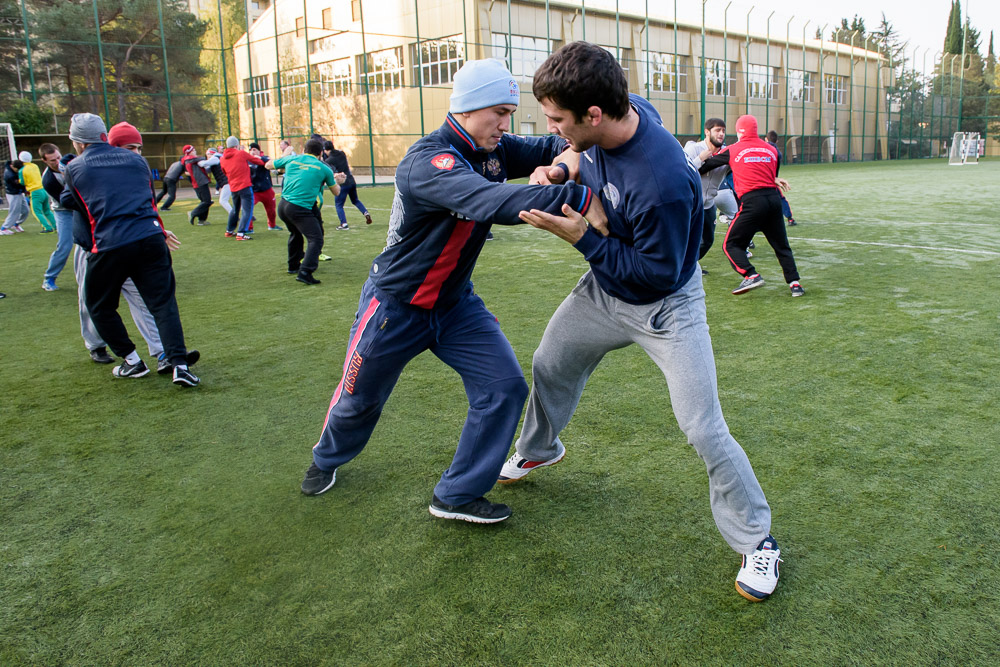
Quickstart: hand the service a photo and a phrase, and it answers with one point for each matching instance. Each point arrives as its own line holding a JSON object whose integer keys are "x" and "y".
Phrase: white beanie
{"x": 481, "y": 84}
{"x": 24, "y": 156}
{"x": 232, "y": 142}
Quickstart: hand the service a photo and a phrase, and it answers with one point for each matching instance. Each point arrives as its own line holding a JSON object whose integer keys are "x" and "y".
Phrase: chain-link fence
{"x": 375, "y": 75}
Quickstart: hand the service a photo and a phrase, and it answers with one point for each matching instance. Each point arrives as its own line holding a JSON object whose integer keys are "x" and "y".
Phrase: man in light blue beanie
{"x": 450, "y": 188}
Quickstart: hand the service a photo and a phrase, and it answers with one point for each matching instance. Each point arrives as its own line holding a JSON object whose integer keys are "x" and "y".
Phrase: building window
{"x": 355, "y": 10}
{"x": 666, "y": 71}
{"x": 718, "y": 77}
{"x": 328, "y": 19}
{"x": 801, "y": 86}
{"x": 257, "y": 92}
{"x": 334, "y": 78}
{"x": 762, "y": 82}
{"x": 293, "y": 86}
{"x": 300, "y": 26}
{"x": 527, "y": 128}
{"x": 523, "y": 54}
{"x": 436, "y": 61}
{"x": 382, "y": 70}
{"x": 834, "y": 88}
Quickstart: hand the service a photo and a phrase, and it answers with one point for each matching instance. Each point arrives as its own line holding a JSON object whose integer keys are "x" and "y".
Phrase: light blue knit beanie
{"x": 481, "y": 84}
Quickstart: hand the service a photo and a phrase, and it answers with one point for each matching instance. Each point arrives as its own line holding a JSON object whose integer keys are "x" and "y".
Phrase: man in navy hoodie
{"x": 113, "y": 188}
{"x": 450, "y": 188}
{"x": 643, "y": 288}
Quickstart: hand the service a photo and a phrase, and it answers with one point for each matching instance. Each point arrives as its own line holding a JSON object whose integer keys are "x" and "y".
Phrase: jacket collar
{"x": 460, "y": 139}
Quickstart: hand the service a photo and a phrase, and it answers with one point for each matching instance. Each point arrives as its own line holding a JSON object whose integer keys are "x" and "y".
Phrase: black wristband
{"x": 562, "y": 165}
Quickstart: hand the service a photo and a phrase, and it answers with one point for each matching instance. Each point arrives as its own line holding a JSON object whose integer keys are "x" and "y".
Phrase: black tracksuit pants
{"x": 760, "y": 211}
{"x": 302, "y": 223}
{"x": 205, "y": 202}
{"x": 708, "y": 230}
{"x": 169, "y": 191}
{"x": 147, "y": 262}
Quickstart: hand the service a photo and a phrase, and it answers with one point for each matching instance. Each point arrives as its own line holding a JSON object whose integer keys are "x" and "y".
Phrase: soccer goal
{"x": 7, "y": 146}
{"x": 966, "y": 147}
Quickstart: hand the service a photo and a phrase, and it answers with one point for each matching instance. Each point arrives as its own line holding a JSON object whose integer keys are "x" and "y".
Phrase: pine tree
{"x": 953, "y": 37}
{"x": 991, "y": 61}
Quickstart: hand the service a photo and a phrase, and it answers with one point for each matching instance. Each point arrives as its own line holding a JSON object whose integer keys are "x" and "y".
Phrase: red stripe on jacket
{"x": 427, "y": 294}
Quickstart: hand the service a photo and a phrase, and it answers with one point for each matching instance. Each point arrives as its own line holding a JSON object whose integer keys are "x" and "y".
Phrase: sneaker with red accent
{"x": 749, "y": 283}
{"x": 517, "y": 466}
{"x": 230, "y": 234}
{"x": 758, "y": 576}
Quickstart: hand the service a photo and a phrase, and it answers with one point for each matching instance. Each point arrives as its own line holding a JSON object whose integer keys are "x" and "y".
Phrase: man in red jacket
{"x": 235, "y": 162}
{"x": 755, "y": 165}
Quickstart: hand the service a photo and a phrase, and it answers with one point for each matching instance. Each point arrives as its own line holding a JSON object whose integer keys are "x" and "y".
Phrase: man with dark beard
{"x": 715, "y": 139}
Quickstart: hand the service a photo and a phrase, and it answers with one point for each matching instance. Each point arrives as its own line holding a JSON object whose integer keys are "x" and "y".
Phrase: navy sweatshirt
{"x": 448, "y": 194}
{"x": 11, "y": 183}
{"x": 652, "y": 195}
{"x": 113, "y": 188}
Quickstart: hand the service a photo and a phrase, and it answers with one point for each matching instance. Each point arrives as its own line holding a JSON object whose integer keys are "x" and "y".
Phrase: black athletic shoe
{"x": 318, "y": 481}
{"x": 479, "y": 510}
{"x": 307, "y": 278}
{"x": 100, "y": 356}
{"x": 185, "y": 378}
{"x": 127, "y": 370}
{"x": 791, "y": 222}
{"x": 191, "y": 217}
{"x": 163, "y": 366}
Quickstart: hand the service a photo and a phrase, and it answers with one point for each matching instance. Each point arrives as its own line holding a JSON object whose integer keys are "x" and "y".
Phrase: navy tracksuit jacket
{"x": 419, "y": 296}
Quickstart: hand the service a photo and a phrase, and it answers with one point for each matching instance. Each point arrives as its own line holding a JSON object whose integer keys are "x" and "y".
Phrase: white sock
{"x": 183, "y": 367}
{"x": 133, "y": 357}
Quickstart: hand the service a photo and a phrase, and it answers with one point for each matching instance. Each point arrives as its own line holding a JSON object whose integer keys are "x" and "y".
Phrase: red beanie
{"x": 187, "y": 148}
{"x": 748, "y": 124}
{"x": 123, "y": 134}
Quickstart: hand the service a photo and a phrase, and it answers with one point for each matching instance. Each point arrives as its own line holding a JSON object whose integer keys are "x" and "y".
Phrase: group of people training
{"x": 758, "y": 204}
{"x": 614, "y": 183}
{"x": 609, "y": 179}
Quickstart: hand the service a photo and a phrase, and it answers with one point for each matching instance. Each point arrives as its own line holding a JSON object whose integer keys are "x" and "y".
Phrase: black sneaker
{"x": 190, "y": 216}
{"x": 100, "y": 356}
{"x": 127, "y": 370}
{"x": 479, "y": 510}
{"x": 368, "y": 218}
{"x": 185, "y": 378}
{"x": 307, "y": 278}
{"x": 797, "y": 290}
{"x": 791, "y": 222}
{"x": 318, "y": 481}
{"x": 163, "y": 366}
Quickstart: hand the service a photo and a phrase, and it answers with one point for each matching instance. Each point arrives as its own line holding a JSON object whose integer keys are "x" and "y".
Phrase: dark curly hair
{"x": 581, "y": 75}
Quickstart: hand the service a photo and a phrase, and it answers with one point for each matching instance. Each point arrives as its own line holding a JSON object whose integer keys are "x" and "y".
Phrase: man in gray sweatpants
{"x": 643, "y": 287}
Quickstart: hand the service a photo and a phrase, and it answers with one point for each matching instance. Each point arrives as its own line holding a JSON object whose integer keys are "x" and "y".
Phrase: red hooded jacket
{"x": 755, "y": 163}
{"x": 236, "y": 163}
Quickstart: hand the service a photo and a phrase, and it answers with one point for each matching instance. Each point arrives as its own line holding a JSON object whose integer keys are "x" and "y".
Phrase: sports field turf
{"x": 146, "y": 524}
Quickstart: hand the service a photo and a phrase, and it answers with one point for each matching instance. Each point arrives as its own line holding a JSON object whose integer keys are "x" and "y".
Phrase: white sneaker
{"x": 517, "y": 466}
{"x": 7, "y": 232}
{"x": 759, "y": 573}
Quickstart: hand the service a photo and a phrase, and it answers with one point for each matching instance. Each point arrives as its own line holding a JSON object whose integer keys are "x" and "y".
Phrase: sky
{"x": 921, "y": 22}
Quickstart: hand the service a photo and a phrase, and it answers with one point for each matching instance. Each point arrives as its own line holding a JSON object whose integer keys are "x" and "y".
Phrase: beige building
{"x": 374, "y": 75}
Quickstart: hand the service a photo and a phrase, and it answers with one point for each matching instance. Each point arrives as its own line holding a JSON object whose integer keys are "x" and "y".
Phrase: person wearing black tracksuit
{"x": 170, "y": 179}
{"x": 200, "y": 181}
{"x": 755, "y": 165}
{"x": 113, "y": 188}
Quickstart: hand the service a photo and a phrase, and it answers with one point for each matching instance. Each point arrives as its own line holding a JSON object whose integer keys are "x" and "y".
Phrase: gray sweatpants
{"x": 140, "y": 313}
{"x": 674, "y": 333}
{"x": 18, "y": 211}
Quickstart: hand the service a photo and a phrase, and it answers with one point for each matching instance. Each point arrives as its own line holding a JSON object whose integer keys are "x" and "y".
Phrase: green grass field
{"x": 146, "y": 524}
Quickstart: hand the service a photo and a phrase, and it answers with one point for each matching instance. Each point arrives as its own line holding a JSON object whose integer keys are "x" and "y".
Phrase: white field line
{"x": 905, "y": 246}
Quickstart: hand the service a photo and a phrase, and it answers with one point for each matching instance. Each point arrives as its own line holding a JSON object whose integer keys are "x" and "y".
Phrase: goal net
{"x": 966, "y": 147}
{"x": 8, "y": 151}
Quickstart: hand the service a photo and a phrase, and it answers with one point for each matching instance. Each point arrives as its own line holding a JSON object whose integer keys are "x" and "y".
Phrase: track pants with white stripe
{"x": 385, "y": 336}
{"x": 760, "y": 211}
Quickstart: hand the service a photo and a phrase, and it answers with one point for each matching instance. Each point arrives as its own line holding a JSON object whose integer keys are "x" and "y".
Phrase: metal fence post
{"x": 225, "y": 78}
{"x": 100, "y": 55}
{"x": 819, "y": 106}
{"x": 746, "y": 62}
{"x": 305, "y": 35}
{"x": 368, "y": 99}
{"x": 27, "y": 44}
{"x": 166, "y": 66}
{"x": 767, "y": 60}
{"x": 277, "y": 72}
{"x": 420, "y": 62}
{"x": 253, "y": 108}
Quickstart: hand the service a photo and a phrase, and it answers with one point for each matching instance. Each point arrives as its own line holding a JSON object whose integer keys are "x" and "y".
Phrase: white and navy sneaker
{"x": 127, "y": 370}
{"x": 797, "y": 289}
{"x": 479, "y": 510}
{"x": 759, "y": 573}
{"x": 517, "y": 466}
{"x": 185, "y": 378}
{"x": 318, "y": 481}
{"x": 749, "y": 283}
